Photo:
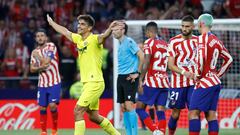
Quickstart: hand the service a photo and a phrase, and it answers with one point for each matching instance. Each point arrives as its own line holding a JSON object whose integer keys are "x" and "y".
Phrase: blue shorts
{"x": 205, "y": 99}
{"x": 180, "y": 97}
{"x": 48, "y": 95}
{"x": 154, "y": 96}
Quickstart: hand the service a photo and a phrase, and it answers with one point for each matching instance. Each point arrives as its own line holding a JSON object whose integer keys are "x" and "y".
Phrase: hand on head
{"x": 120, "y": 24}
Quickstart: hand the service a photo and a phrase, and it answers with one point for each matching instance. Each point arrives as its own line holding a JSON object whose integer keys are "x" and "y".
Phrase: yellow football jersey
{"x": 90, "y": 57}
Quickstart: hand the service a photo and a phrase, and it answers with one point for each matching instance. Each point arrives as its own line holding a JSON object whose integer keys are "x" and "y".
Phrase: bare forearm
{"x": 144, "y": 70}
{"x": 175, "y": 68}
{"x": 62, "y": 30}
{"x": 105, "y": 35}
{"x": 34, "y": 69}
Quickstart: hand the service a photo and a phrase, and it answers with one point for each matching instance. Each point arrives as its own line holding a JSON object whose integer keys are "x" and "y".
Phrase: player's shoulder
{"x": 213, "y": 36}
{"x": 94, "y": 35}
{"x": 194, "y": 37}
{"x": 177, "y": 38}
{"x": 214, "y": 40}
{"x": 148, "y": 41}
{"x": 163, "y": 42}
{"x": 130, "y": 40}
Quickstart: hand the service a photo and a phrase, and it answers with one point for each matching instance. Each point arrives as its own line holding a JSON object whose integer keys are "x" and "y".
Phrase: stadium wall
{"x": 24, "y": 114}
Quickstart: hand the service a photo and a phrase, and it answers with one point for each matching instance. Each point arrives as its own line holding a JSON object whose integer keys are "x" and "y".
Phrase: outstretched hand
{"x": 49, "y": 19}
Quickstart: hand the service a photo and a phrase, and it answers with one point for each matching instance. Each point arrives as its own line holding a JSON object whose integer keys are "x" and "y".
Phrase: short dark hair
{"x": 153, "y": 26}
{"x": 87, "y": 18}
{"x": 125, "y": 28}
{"x": 188, "y": 18}
{"x": 41, "y": 30}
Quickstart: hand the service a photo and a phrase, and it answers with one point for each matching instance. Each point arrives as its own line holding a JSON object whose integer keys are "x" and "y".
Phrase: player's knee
{"x": 53, "y": 106}
{"x": 176, "y": 113}
{"x": 194, "y": 114}
{"x": 128, "y": 106}
{"x": 79, "y": 112}
{"x": 161, "y": 108}
{"x": 211, "y": 115}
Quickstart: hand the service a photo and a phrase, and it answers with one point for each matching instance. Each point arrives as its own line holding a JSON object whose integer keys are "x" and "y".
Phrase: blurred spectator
{"x": 67, "y": 70}
{"x": 11, "y": 67}
{"x": 13, "y": 33}
{"x": 218, "y": 10}
{"x": 78, "y": 8}
{"x": 4, "y": 9}
{"x": 22, "y": 55}
{"x": 131, "y": 10}
{"x": 3, "y": 39}
{"x": 232, "y": 8}
{"x": 29, "y": 35}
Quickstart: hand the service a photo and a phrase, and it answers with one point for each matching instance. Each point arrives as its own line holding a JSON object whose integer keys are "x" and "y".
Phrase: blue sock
{"x": 133, "y": 122}
{"x": 161, "y": 115}
{"x": 172, "y": 123}
{"x": 142, "y": 114}
{"x": 43, "y": 112}
{"x": 127, "y": 123}
{"x": 213, "y": 126}
{"x": 194, "y": 125}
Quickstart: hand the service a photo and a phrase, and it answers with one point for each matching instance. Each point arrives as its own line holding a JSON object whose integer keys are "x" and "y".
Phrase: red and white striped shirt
{"x": 184, "y": 53}
{"x": 156, "y": 75}
{"x": 210, "y": 48}
{"x": 51, "y": 75}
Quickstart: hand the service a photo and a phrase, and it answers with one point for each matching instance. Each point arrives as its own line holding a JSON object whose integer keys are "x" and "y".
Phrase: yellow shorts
{"x": 91, "y": 94}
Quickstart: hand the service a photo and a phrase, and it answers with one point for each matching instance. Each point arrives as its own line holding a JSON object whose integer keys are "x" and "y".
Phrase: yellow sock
{"x": 108, "y": 127}
{"x": 79, "y": 127}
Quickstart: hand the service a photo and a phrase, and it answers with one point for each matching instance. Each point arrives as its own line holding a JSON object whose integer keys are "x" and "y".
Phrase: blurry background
{"x": 19, "y": 20}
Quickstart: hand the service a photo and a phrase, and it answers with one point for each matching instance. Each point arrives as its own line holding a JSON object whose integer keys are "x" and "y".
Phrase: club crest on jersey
{"x": 83, "y": 50}
{"x": 50, "y": 54}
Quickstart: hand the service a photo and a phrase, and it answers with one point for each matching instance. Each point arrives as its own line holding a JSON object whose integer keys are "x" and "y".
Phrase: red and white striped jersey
{"x": 156, "y": 75}
{"x": 210, "y": 48}
{"x": 51, "y": 75}
{"x": 184, "y": 53}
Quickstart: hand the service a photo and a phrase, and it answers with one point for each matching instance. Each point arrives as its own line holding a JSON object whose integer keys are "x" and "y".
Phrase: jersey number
{"x": 161, "y": 57}
{"x": 174, "y": 95}
{"x": 214, "y": 59}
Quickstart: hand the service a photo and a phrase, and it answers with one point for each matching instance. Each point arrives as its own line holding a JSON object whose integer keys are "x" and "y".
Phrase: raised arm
{"x": 107, "y": 33}
{"x": 60, "y": 29}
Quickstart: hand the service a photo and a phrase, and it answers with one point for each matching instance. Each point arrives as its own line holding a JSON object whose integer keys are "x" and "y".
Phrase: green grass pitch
{"x": 101, "y": 132}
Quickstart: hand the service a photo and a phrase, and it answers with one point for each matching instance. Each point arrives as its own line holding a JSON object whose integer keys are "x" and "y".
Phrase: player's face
{"x": 148, "y": 33}
{"x": 83, "y": 27}
{"x": 118, "y": 33}
{"x": 187, "y": 28}
{"x": 41, "y": 38}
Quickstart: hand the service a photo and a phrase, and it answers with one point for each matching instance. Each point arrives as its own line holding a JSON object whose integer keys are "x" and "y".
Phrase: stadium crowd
{"x": 19, "y": 20}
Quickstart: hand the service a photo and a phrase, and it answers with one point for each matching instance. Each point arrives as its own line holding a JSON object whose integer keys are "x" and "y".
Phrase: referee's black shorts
{"x": 126, "y": 90}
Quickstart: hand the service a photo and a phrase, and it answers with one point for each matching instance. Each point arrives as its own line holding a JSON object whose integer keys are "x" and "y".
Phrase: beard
{"x": 186, "y": 33}
{"x": 41, "y": 43}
